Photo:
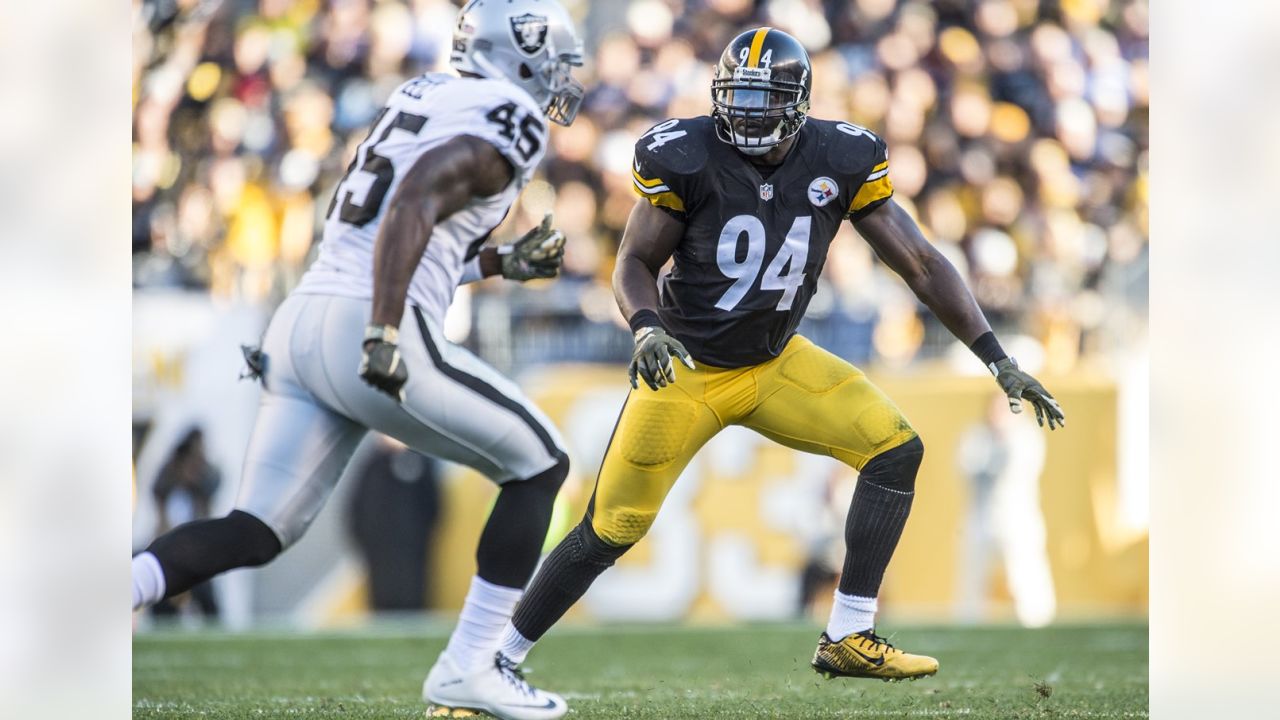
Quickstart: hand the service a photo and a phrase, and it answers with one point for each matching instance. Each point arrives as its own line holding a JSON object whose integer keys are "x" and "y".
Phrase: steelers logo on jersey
{"x": 530, "y": 32}
{"x": 822, "y": 191}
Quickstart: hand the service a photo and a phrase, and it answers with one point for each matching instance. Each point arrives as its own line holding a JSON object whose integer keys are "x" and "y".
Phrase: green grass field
{"x": 761, "y": 671}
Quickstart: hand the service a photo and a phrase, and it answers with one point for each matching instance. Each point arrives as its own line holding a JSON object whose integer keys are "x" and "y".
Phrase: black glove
{"x": 1019, "y": 385}
{"x": 380, "y": 364}
{"x": 652, "y": 358}
{"x": 538, "y": 254}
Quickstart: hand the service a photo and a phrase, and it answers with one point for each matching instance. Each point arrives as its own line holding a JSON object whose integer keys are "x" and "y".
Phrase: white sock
{"x": 850, "y": 614}
{"x": 514, "y": 645}
{"x": 487, "y": 609}
{"x": 148, "y": 580}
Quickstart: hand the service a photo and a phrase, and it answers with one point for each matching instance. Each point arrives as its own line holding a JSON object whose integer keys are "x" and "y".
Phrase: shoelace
{"x": 510, "y": 671}
{"x": 871, "y": 637}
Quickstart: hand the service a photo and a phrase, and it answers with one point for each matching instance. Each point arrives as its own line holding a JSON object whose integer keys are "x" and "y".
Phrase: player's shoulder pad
{"x": 489, "y": 92}
{"x": 495, "y": 111}
{"x": 675, "y": 147}
{"x": 468, "y": 101}
{"x": 415, "y": 88}
{"x": 448, "y": 98}
{"x": 851, "y": 149}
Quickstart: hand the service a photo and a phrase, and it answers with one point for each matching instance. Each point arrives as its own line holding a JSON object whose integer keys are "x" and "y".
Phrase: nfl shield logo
{"x": 530, "y": 32}
{"x": 766, "y": 192}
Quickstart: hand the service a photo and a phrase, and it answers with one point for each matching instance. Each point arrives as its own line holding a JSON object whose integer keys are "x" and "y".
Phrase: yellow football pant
{"x": 806, "y": 399}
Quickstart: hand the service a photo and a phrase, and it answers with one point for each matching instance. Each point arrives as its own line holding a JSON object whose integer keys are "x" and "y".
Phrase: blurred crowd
{"x": 1017, "y": 132}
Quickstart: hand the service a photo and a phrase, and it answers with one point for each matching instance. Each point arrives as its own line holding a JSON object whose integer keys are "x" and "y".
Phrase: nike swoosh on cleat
{"x": 877, "y": 661}
{"x": 550, "y": 704}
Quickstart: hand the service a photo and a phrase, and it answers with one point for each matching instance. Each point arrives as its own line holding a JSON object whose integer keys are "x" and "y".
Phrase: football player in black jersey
{"x": 746, "y": 202}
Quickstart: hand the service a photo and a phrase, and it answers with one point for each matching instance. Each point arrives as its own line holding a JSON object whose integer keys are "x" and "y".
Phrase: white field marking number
{"x": 791, "y": 256}
{"x": 661, "y": 137}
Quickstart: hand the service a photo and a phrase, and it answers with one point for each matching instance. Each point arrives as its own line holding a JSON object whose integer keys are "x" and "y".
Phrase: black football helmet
{"x": 761, "y": 90}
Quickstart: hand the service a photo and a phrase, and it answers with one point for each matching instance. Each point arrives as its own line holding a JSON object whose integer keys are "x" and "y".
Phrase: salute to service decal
{"x": 822, "y": 191}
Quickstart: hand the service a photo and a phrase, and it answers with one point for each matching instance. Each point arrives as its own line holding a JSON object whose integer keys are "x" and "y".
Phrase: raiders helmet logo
{"x": 530, "y": 32}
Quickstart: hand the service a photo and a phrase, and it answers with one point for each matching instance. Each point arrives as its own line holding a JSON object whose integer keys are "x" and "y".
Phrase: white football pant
{"x": 315, "y": 409}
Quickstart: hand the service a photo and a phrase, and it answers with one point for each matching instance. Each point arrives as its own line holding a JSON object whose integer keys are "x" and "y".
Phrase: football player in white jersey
{"x": 358, "y": 345}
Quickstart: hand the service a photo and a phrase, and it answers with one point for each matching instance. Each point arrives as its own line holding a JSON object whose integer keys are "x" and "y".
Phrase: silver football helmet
{"x": 531, "y": 43}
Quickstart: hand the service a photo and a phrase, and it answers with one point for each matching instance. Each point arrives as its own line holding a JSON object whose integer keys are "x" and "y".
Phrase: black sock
{"x": 512, "y": 540}
{"x": 196, "y": 551}
{"x": 564, "y": 578}
{"x": 881, "y": 504}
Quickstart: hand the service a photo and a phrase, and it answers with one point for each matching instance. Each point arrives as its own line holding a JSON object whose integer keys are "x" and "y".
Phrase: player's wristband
{"x": 642, "y": 319}
{"x": 382, "y": 333}
{"x": 988, "y": 349}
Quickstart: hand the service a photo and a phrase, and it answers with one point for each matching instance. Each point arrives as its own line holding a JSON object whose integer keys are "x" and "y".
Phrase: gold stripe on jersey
{"x": 757, "y": 42}
{"x": 645, "y": 182}
{"x": 873, "y": 190}
{"x": 665, "y": 199}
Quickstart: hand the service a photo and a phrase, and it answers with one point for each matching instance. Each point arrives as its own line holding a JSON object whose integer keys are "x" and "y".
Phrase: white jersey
{"x": 421, "y": 114}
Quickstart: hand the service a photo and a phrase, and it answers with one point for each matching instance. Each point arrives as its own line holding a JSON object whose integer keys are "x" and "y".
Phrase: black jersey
{"x": 753, "y": 246}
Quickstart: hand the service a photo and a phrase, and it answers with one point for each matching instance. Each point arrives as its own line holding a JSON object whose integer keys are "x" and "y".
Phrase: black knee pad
{"x": 553, "y": 477}
{"x": 895, "y": 469}
{"x": 255, "y": 541}
{"x": 590, "y": 548}
{"x": 530, "y": 500}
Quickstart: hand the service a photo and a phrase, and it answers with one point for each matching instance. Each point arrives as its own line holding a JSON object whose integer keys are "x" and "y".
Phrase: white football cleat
{"x": 498, "y": 689}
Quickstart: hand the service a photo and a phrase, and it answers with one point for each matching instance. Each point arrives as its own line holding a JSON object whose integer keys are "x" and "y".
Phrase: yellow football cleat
{"x": 866, "y": 655}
